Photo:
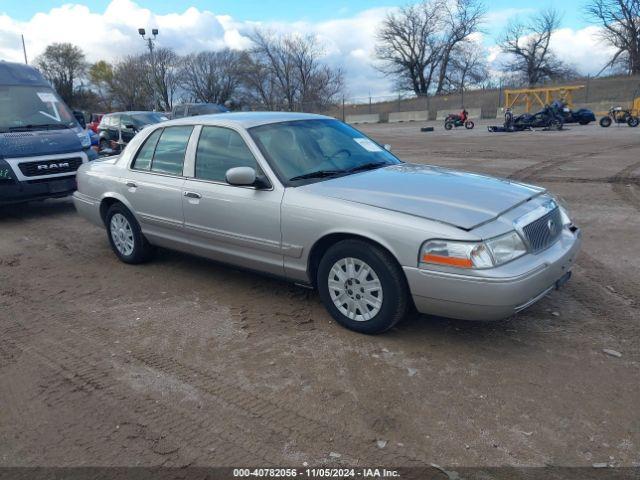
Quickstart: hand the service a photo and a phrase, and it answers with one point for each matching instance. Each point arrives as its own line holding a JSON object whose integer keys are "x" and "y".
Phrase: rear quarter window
{"x": 145, "y": 154}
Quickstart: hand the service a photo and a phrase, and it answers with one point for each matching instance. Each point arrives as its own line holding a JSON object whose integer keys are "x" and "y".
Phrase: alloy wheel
{"x": 122, "y": 234}
{"x": 355, "y": 289}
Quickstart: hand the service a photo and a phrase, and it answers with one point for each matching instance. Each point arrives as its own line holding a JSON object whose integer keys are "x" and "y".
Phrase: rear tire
{"x": 125, "y": 236}
{"x": 633, "y": 122}
{"x": 362, "y": 286}
{"x": 605, "y": 122}
{"x": 469, "y": 125}
{"x": 448, "y": 125}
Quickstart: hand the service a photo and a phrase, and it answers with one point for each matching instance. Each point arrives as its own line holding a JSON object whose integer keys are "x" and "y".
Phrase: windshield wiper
{"x": 43, "y": 126}
{"x": 366, "y": 166}
{"x": 317, "y": 174}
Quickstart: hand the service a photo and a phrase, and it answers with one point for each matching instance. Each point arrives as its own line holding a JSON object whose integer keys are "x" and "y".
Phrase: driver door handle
{"x": 192, "y": 195}
{"x": 131, "y": 184}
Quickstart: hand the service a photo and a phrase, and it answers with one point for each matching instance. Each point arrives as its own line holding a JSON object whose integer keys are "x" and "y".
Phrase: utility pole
{"x": 24, "y": 50}
{"x": 149, "y": 40}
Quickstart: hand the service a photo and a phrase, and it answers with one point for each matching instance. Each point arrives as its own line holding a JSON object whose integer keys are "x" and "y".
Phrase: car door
{"x": 154, "y": 184}
{"x": 233, "y": 224}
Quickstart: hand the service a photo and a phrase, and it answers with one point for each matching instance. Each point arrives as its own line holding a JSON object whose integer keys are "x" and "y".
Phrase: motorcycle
{"x": 548, "y": 118}
{"x": 454, "y": 120}
{"x": 619, "y": 115}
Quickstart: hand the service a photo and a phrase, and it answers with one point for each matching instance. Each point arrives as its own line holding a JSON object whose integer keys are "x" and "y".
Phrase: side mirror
{"x": 387, "y": 147}
{"x": 79, "y": 116}
{"x": 241, "y": 176}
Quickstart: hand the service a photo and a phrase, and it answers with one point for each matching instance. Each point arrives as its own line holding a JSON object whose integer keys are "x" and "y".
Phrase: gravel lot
{"x": 186, "y": 362}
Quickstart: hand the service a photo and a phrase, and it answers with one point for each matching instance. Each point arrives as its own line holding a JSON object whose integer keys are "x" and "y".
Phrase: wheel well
{"x": 105, "y": 205}
{"x": 321, "y": 246}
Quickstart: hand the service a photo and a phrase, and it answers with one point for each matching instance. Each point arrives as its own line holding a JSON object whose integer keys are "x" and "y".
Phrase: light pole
{"x": 149, "y": 40}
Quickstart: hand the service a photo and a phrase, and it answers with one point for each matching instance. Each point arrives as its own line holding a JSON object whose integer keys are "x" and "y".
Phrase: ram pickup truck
{"x": 41, "y": 143}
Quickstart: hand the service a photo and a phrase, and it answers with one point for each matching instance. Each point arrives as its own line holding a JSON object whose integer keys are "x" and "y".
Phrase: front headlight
{"x": 5, "y": 171}
{"x": 487, "y": 254}
{"x": 85, "y": 139}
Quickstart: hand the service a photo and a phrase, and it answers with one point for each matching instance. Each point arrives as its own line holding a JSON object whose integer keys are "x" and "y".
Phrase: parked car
{"x": 95, "y": 121}
{"x": 41, "y": 143}
{"x": 313, "y": 200}
{"x": 193, "y": 109}
{"x": 124, "y": 125}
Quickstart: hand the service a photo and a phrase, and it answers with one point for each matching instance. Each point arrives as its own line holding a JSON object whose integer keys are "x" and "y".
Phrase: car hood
{"x": 465, "y": 200}
{"x": 43, "y": 142}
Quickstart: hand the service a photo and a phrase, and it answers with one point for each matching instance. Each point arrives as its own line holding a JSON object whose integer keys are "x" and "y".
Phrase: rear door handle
{"x": 131, "y": 184}
{"x": 192, "y": 195}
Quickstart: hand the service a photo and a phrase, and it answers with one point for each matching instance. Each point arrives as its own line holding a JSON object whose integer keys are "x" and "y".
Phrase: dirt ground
{"x": 182, "y": 361}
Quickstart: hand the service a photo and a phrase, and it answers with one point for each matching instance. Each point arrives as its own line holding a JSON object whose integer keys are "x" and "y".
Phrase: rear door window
{"x": 170, "y": 151}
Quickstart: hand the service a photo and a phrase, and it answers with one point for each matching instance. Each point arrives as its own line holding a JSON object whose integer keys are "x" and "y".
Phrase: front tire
{"x": 605, "y": 122}
{"x": 362, "y": 286}
{"x": 125, "y": 236}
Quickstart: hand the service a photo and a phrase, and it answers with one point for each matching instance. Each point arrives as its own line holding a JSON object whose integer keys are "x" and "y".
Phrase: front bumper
{"x": 15, "y": 191}
{"x": 495, "y": 293}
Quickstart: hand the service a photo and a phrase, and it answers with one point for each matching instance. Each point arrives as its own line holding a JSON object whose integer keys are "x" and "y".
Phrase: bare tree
{"x": 63, "y": 64}
{"x": 468, "y": 66}
{"x": 129, "y": 85}
{"x": 163, "y": 76}
{"x": 408, "y": 45}
{"x": 620, "y": 21}
{"x": 461, "y": 18}
{"x": 211, "y": 77}
{"x": 528, "y": 44}
{"x": 286, "y": 71}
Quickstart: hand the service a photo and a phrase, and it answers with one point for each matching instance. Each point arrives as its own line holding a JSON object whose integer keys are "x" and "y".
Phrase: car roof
{"x": 246, "y": 119}
{"x": 20, "y": 74}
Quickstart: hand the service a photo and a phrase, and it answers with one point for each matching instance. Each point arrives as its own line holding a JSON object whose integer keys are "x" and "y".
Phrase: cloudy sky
{"x": 107, "y": 29}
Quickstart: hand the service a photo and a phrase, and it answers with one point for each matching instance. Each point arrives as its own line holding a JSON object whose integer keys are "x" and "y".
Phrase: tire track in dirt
{"x": 277, "y": 422}
{"x": 531, "y": 172}
{"x": 612, "y": 180}
{"x": 623, "y": 178}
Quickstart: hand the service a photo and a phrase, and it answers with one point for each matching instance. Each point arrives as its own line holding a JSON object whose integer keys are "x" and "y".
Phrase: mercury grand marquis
{"x": 311, "y": 199}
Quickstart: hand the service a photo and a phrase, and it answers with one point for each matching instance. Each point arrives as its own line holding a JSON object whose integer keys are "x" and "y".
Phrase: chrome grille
{"x": 49, "y": 167}
{"x": 544, "y": 231}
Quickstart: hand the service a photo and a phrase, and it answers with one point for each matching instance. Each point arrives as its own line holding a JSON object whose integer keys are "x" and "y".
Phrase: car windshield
{"x": 203, "y": 109}
{"x": 309, "y": 150}
{"x": 28, "y": 107}
{"x": 148, "y": 118}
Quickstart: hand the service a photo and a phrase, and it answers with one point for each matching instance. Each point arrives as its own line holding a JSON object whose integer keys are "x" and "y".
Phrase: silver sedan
{"x": 311, "y": 199}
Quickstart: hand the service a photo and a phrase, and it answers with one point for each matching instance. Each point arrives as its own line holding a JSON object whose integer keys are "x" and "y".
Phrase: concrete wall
{"x": 413, "y": 116}
{"x": 473, "y": 113}
{"x": 365, "y": 118}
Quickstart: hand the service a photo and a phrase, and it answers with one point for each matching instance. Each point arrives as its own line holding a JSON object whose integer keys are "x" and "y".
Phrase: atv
{"x": 619, "y": 115}
{"x": 454, "y": 120}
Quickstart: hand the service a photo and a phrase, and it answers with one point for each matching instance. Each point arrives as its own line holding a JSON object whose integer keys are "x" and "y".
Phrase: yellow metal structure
{"x": 539, "y": 96}
{"x": 635, "y": 107}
